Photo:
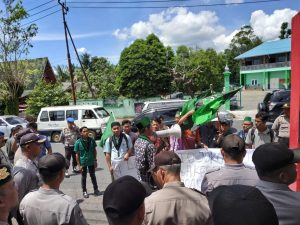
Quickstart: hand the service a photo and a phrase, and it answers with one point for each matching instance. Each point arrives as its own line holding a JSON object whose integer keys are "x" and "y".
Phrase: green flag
{"x": 191, "y": 104}
{"x": 208, "y": 110}
{"x": 107, "y": 132}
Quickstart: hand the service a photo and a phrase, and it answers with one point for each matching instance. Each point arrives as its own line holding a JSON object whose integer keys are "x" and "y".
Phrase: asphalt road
{"x": 91, "y": 207}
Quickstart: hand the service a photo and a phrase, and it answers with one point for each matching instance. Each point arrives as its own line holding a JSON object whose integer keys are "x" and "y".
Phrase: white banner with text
{"x": 195, "y": 163}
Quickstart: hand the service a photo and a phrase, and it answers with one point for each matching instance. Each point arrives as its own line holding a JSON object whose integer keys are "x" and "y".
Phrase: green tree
{"x": 102, "y": 76}
{"x": 243, "y": 41}
{"x": 195, "y": 70}
{"x": 62, "y": 73}
{"x": 285, "y": 32}
{"x": 15, "y": 41}
{"x": 46, "y": 94}
{"x": 85, "y": 60}
{"x": 143, "y": 69}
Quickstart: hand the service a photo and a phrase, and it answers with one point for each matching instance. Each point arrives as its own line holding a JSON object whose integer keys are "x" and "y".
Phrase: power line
{"x": 40, "y": 18}
{"x": 44, "y": 10}
{"x": 39, "y": 6}
{"x": 163, "y": 7}
{"x": 125, "y": 2}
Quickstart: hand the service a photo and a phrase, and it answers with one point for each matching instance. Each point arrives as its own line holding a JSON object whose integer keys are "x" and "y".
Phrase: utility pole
{"x": 81, "y": 66}
{"x": 64, "y": 10}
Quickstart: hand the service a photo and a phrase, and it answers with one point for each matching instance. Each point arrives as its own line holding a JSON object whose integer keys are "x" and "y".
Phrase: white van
{"x": 51, "y": 120}
{"x": 163, "y": 103}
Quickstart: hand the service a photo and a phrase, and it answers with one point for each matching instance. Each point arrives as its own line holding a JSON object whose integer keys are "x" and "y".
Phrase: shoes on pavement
{"x": 67, "y": 175}
{"x": 75, "y": 170}
{"x": 97, "y": 192}
{"x": 85, "y": 194}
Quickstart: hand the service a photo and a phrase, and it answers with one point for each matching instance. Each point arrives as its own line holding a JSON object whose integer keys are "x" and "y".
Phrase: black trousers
{"x": 69, "y": 152}
{"x": 92, "y": 175}
{"x": 285, "y": 141}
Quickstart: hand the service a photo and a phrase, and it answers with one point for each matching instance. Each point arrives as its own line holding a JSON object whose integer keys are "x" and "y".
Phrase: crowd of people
{"x": 31, "y": 174}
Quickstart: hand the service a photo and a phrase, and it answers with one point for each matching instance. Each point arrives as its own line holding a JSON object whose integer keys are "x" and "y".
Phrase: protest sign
{"x": 195, "y": 163}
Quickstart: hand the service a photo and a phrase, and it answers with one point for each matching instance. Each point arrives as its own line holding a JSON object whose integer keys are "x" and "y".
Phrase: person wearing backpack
{"x": 261, "y": 134}
{"x": 118, "y": 146}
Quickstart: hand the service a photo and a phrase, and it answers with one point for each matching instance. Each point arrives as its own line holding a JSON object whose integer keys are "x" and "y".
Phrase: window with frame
{"x": 44, "y": 116}
{"x": 57, "y": 115}
{"x": 72, "y": 113}
{"x": 253, "y": 82}
{"x": 88, "y": 114}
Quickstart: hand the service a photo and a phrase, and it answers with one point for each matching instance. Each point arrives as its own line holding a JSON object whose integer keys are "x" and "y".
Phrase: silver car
{"x": 8, "y": 122}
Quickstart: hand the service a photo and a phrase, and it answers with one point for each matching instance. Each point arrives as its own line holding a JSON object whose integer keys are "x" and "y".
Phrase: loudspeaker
{"x": 173, "y": 131}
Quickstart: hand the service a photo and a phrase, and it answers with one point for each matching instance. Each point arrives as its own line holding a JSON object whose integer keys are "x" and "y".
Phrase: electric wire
{"x": 132, "y": 7}
{"x": 39, "y": 6}
{"x": 25, "y": 24}
{"x": 161, "y": 7}
{"x": 44, "y": 10}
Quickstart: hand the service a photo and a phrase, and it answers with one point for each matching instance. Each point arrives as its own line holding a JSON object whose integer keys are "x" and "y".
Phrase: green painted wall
{"x": 254, "y": 76}
{"x": 268, "y": 79}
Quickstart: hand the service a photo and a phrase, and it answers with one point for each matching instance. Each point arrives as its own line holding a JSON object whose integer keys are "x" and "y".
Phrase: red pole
{"x": 295, "y": 92}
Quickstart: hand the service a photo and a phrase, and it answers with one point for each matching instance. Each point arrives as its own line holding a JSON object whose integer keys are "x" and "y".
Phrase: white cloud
{"x": 61, "y": 36}
{"x": 81, "y": 50}
{"x": 177, "y": 26}
{"x": 267, "y": 26}
{"x": 233, "y": 1}
{"x": 222, "y": 41}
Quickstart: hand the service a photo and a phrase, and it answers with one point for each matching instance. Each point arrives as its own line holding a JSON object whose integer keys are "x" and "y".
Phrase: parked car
{"x": 7, "y": 122}
{"x": 167, "y": 112}
{"x": 273, "y": 102}
{"x": 164, "y": 103}
{"x": 51, "y": 120}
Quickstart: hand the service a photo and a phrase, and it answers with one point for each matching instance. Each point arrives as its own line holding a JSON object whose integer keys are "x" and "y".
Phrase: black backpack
{"x": 110, "y": 141}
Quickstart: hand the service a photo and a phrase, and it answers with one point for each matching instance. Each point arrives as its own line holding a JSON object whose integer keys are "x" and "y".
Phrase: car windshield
{"x": 101, "y": 112}
{"x": 14, "y": 120}
{"x": 281, "y": 96}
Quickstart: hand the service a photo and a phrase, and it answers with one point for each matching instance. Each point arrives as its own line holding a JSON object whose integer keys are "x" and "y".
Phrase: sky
{"x": 105, "y": 32}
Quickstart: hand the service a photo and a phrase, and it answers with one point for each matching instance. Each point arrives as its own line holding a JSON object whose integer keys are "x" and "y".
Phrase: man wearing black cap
{"x": 281, "y": 125}
{"x": 174, "y": 203}
{"x": 8, "y": 193}
{"x": 274, "y": 164}
{"x": 123, "y": 202}
{"x": 48, "y": 205}
{"x": 241, "y": 205}
{"x": 144, "y": 149}
{"x": 16, "y": 144}
{"x": 31, "y": 147}
{"x": 25, "y": 172}
{"x": 234, "y": 171}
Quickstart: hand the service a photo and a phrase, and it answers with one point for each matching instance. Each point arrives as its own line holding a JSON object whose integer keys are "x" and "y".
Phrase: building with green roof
{"x": 267, "y": 66}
